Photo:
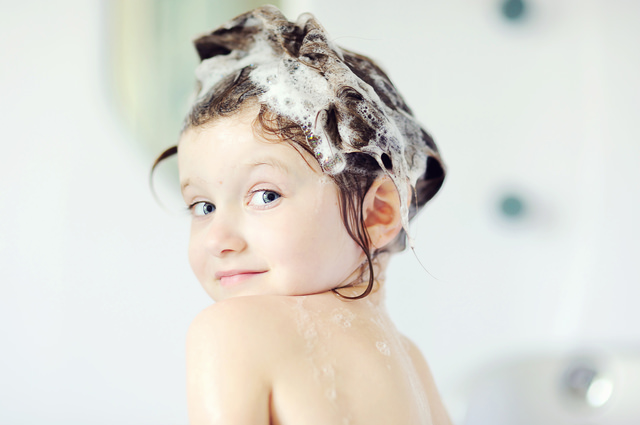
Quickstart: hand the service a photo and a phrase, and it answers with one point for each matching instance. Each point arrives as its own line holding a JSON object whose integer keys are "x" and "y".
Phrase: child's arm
{"x": 225, "y": 381}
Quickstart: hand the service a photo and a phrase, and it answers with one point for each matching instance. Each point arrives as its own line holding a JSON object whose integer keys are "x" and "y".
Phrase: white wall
{"x": 96, "y": 293}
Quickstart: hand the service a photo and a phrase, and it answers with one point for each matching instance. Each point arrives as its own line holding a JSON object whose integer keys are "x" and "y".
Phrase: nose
{"x": 224, "y": 236}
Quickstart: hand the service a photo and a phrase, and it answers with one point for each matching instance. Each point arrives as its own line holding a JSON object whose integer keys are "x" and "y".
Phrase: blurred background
{"x": 529, "y": 311}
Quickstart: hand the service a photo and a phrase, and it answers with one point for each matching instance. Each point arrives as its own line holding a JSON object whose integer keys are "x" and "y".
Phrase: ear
{"x": 381, "y": 209}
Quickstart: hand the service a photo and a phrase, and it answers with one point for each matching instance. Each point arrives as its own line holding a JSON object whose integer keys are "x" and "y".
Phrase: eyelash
{"x": 253, "y": 194}
{"x": 194, "y": 206}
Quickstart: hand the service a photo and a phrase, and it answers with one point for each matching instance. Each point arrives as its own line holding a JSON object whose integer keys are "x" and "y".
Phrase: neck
{"x": 358, "y": 281}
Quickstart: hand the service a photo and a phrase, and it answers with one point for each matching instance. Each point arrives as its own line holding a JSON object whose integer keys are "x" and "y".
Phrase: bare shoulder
{"x": 245, "y": 328}
{"x": 229, "y": 353}
{"x": 237, "y": 314}
{"x": 438, "y": 412}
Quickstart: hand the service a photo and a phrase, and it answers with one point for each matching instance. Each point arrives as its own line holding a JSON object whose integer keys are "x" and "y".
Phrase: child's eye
{"x": 202, "y": 208}
{"x": 263, "y": 197}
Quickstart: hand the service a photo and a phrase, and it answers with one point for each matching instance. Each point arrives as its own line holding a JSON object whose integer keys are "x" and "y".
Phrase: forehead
{"x": 238, "y": 139}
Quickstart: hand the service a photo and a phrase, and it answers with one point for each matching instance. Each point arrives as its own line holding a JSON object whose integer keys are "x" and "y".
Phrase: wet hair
{"x": 237, "y": 90}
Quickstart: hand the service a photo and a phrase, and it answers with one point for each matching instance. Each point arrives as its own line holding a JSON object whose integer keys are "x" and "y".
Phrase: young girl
{"x": 301, "y": 166}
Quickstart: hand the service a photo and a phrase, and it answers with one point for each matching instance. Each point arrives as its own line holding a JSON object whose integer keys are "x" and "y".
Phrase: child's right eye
{"x": 202, "y": 208}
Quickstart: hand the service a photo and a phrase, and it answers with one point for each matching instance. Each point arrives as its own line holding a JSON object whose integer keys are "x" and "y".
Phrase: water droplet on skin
{"x": 342, "y": 317}
{"x": 310, "y": 333}
{"x": 327, "y": 371}
{"x": 305, "y": 324}
{"x": 383, "y": 348}
{"x": 331, "y": 393}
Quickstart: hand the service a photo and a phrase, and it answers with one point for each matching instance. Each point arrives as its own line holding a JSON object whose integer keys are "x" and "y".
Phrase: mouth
{"x": 233, "y": 277}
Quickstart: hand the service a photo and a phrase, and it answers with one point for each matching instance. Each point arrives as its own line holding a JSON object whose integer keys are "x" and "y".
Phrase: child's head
{"x": 288, "y": 83}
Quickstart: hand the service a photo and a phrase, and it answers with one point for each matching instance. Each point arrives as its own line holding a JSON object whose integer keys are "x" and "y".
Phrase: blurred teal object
{"x": 512, "y": 206}
{"x": 513, "y": 10}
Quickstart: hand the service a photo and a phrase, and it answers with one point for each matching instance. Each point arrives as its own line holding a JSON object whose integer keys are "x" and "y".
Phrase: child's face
{"x": 263, "y": 220}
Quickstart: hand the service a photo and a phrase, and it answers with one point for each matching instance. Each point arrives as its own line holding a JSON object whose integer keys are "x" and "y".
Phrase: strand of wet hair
{"x": 169, "y": 152}
{"x": 415, "y": 254}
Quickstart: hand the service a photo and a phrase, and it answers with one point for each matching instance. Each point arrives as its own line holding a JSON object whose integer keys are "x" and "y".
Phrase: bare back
{"x": 313, "y": 359}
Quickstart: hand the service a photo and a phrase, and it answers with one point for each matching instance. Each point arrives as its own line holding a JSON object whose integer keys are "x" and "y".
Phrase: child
{"x": 301, "y": 166}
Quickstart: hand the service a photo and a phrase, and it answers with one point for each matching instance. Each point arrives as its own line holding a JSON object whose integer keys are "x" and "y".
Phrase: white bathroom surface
{"x": 559, "y": 390}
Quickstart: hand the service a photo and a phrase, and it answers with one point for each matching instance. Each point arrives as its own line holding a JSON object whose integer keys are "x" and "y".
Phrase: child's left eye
{"x": 263, "y": 197}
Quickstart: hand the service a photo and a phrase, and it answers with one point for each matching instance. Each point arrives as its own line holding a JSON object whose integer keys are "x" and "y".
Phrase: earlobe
{"x": 382, "y": 217}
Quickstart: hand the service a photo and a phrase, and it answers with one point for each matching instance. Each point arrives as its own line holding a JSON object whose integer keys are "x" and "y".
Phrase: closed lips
{"x": 230, "y": 273}
{"x": 233, "y": 277}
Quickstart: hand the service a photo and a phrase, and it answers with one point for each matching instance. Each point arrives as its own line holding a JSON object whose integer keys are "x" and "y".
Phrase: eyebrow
{"x": 273, "y": 162}
{"x": 184, "y": 185}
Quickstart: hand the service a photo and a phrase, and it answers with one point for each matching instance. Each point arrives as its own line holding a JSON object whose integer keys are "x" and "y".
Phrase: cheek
{"x": 279, "y": 239}
{"x": 343, "y": 252}
{"x": 324, "y": 241}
